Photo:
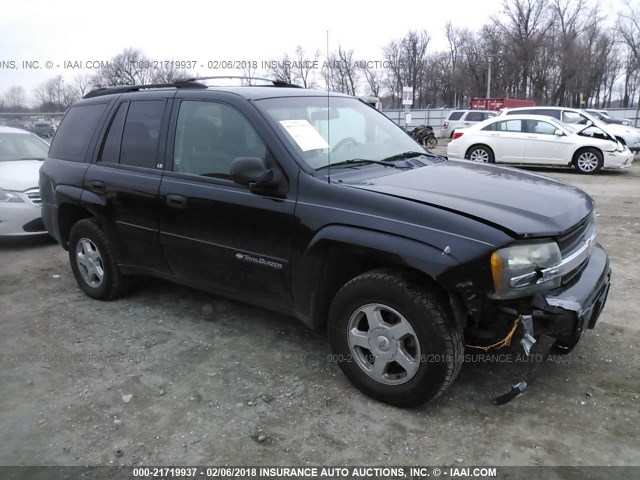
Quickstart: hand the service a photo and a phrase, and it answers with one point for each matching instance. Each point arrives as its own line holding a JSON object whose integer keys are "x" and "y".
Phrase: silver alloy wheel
{"x": 89, "y": 262}
{"x": 383, "y": 344}
{"x": 587, "y": 161}
{"x": 479, "y": 155}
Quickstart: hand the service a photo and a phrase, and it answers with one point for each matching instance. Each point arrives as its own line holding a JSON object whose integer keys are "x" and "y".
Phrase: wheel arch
{"x": 581, "y": 149}
{"x": 340, "y": 253}
{"x": 475, "y": 145}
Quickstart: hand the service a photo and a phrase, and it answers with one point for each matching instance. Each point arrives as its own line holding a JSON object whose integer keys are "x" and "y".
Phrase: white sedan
{"x": 21, "y": 155}
{"x": 539, "y": 140}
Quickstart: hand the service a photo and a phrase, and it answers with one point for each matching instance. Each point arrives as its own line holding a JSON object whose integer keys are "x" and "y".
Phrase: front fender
{"x": 405, "y": 251}
{"x": 338, "y": 253}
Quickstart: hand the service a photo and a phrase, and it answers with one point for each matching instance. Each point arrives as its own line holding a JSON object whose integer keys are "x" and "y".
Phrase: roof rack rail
{"x": 276, "y": 83}
{"x": 98, "y": 92}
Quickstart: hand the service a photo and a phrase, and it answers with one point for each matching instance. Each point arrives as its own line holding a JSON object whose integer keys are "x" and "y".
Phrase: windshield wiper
{"x": 357, "y": 161}
{"x": 404, "y": 155}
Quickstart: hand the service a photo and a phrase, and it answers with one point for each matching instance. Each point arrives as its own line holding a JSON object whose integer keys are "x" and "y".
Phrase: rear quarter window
{"x": 75, "y": 132}
{"x": 455, "y": 115}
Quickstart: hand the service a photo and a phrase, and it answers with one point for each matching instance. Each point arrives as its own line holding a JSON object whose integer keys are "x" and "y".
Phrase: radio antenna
{"x": 328, "y": 116}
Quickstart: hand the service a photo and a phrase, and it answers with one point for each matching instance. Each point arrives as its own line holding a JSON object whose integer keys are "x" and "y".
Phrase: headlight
{"x": 526, "y": 268}
{"x": 6, "y": 196}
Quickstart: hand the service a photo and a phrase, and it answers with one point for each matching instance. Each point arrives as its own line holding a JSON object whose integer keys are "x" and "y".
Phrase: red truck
{"x": 499, "y": 103}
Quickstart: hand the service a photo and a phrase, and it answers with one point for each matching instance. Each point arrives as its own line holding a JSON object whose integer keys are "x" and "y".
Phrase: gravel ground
{"x": 170, "y": 375}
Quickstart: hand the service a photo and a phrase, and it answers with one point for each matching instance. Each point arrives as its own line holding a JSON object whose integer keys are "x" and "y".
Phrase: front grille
{"x": 575, "y": 239}
{"x": 571, "y": 241}
{"x": 34, "y": 196}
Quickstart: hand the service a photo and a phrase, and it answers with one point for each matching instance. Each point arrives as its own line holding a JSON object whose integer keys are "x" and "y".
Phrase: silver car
{"x": 21, "y": 155}
{"x": 463, "y": 119}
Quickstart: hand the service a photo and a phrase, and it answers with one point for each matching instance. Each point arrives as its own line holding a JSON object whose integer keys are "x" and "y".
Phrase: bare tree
{"x": 281, "y": 69}
{"x": 303, "y": 68}
{"x": 340, "y": 72}
{"x": 167, "y": 72}
{"x": 524, "y": 24}
{"x": 82, "y": 82}
{"x": 374, "y": 79}
{"x": 15, "y": 97}
{"x": 628, "y": 26}
{"x": 129, "y": 67}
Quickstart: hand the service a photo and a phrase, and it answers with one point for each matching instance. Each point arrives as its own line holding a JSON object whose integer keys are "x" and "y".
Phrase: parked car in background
{"x": 21, "y": 155}
{"x": 539, "y": 140}
{"x": 628, "y": 136}
{"x": 604, "y": 116}
{"x": 44, "y": 130}
{"x": 463, "y": 119}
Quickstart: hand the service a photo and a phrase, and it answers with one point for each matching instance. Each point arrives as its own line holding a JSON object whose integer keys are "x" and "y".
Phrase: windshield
{"x": 20, "y": 146}
{"x": 337, "y": 128}
{"x": 597, "y": 115}
{"x": 568, "y": 127}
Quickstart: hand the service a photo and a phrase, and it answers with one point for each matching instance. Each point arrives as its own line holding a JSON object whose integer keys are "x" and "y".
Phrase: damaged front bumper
{"x": 566, "y": 313}
{"x": 560, "y": 318}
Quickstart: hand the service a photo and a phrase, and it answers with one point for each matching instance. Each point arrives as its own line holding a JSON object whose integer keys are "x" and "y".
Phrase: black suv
{"x": 317, "y": 205}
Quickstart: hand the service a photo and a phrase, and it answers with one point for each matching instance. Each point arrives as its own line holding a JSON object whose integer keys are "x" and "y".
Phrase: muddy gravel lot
{"x": 170, "y": 375}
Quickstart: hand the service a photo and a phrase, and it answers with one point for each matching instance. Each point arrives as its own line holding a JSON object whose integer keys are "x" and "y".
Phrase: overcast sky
{"x": 75, "y": 30}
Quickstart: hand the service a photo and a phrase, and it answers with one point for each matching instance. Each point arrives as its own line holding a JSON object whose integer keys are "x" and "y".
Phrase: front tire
{"x": 395, "y": 339}
{"x": 588, "y": 161}
{"x": 481, "y": 154}
{"x": 93, "y": 261}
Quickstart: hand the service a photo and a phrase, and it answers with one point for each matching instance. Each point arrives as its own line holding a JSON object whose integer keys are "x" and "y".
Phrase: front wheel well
{"x": 476, "y": 145}
{"x": 341, "y": 266}
{"x": 621, "y": 140}
{"x": 577, "y": 153}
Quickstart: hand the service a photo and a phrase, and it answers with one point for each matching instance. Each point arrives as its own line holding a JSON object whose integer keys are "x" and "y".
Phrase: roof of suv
{"x": 252, "y": 92}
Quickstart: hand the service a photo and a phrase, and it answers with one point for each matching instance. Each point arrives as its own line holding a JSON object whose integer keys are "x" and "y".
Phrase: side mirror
{"x": 559, "y": 133}
{"x": 252, "y": 172}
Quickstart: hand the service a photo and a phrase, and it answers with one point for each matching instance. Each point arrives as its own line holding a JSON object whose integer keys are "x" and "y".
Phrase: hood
{"x": 521, "y": 203}
{"x": 19, "y": 175}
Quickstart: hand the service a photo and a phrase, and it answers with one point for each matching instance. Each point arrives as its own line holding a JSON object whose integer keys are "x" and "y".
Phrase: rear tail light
{"x": 456, "y": 135}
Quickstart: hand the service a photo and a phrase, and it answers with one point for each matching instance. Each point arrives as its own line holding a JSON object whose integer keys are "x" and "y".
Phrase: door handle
{"x": 97, "y": 186}
{"x": 176, "y": 201}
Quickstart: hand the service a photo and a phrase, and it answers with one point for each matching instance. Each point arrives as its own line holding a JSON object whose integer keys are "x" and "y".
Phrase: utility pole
{"x": 490, "y": 58}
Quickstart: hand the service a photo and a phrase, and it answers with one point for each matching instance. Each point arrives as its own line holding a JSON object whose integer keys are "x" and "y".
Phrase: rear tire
{"x": 94, "y": 262}
{"x": 588, "y": 161}
{"x": 480, "y": 154}
{"x": 395, "y": 339}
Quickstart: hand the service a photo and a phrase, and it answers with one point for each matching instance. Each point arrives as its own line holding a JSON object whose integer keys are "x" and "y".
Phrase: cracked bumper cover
{"x": 567, "y": 312}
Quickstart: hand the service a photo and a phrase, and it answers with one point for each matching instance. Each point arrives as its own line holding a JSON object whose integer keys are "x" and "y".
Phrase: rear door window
{"x": 475, "y": 117}
{"x": 111, "y": 147}
{"x": 506, "y": 126}
{"x": 141, "y": 133}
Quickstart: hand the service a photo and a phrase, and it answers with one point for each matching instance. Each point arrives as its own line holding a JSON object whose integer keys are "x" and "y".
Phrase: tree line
{"x": 557, "y": 52}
